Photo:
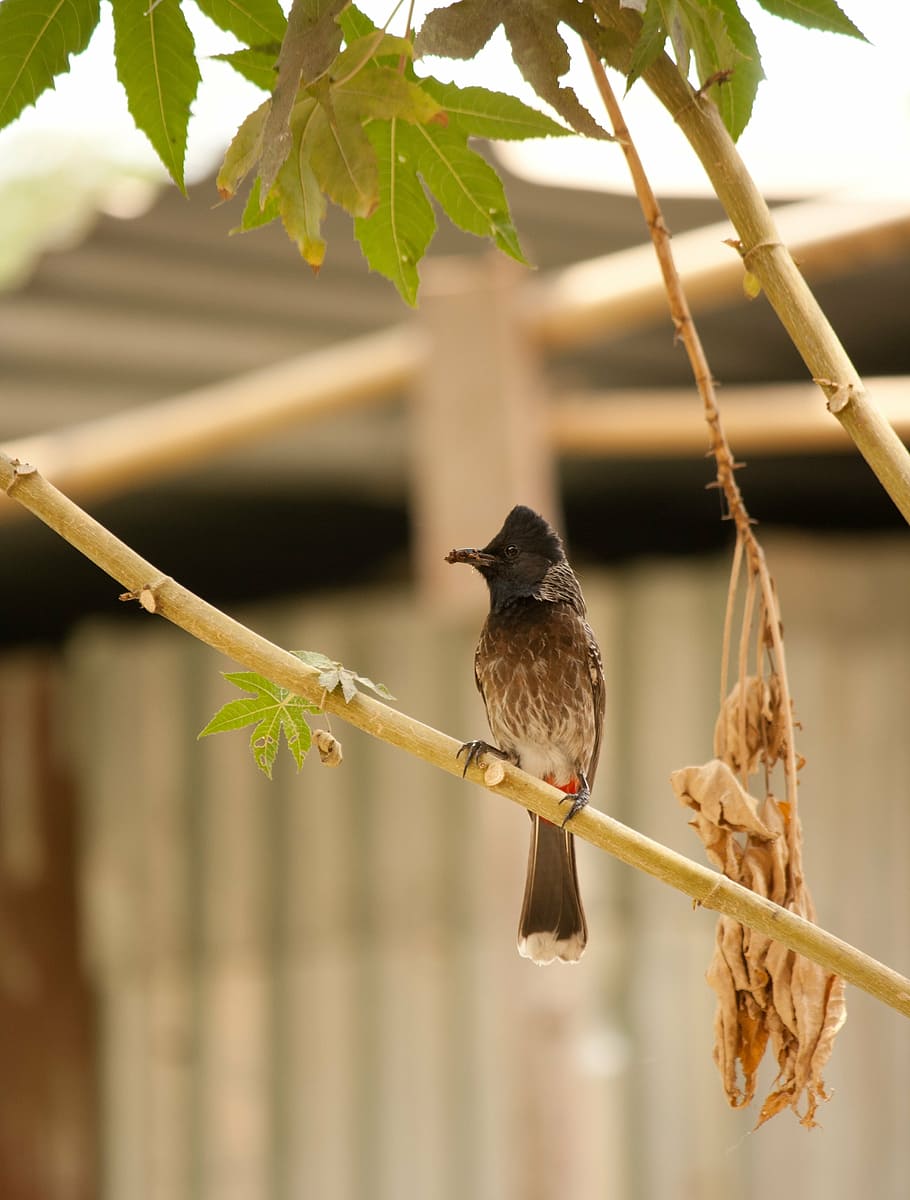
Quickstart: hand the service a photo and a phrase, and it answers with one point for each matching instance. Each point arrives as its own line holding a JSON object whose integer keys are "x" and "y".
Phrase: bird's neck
{"x": 558, "y": 586}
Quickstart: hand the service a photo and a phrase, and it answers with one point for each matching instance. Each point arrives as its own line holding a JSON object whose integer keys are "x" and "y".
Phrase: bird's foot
{"x": 579, "y": 799}
{"x": 474, "y": 750}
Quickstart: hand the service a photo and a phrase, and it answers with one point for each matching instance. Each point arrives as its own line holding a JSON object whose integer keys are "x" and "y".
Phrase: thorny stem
{"x": 723, "y": 456}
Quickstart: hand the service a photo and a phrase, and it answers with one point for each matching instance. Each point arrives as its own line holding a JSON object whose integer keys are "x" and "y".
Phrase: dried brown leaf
{"x": 766, "y": 994}
{"x": 751, "y": 731}
{"x": 723, "y": 808}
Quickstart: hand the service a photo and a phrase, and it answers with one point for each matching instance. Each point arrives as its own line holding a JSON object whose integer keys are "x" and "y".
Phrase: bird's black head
{"x": 516, "y": 561}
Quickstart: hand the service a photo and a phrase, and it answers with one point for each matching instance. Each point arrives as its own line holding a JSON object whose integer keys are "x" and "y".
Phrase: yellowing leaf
{"x": 344, "y": 162}
{"x": 243, "y": 152}
{"x": 299, "y": 196}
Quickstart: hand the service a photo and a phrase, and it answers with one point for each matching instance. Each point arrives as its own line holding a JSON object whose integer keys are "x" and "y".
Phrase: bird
{"x": 539, "y": 671}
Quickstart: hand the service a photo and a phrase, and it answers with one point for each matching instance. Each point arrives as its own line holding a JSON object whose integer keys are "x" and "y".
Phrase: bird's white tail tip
{"x": 544, "y": 948}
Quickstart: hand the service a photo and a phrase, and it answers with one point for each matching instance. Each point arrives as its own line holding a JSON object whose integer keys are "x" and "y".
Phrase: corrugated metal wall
{"x": 310, "y": 988}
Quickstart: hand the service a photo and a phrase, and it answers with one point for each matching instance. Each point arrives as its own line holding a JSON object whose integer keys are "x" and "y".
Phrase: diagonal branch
{"x": 180, "y": 606}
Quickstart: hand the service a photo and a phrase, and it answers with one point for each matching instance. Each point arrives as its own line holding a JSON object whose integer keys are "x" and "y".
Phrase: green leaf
{"x": 252, "y": 681}
{"x": 814, "y": 14}
{"x": 343, "y": 160}
{"x": 243, "y": 153}
{"x": 382, "y": 93}
{"x": 297, "y": 192}
{"x": 492, "y": 115}
{"x": 272, "y": 711}
{"x": 257, "y": 64}
{"x": 374, "y": 46}
{"x": 37, "y": 38}
{"x": 736, "y": 97}
{"x": 396, "y": 236}
{"x": 467, "y": 187}
{"x": 156, "y": 63}
{"x": 723, "y": 42}
{"x": 255, "y": 213}
{"x": 651, "y": 41}
{"x": 253, "y": 22}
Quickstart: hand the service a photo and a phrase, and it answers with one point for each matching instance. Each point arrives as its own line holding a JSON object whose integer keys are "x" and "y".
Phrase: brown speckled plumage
{"x": 538, "y": 668}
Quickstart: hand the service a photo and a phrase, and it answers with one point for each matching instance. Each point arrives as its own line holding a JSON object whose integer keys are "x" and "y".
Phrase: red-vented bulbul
{"x": 539, "y": 671}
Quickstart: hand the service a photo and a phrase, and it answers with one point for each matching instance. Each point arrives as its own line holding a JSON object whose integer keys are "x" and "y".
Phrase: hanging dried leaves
{"x": 767, "y": 995}
{"x": 765, "y": 992}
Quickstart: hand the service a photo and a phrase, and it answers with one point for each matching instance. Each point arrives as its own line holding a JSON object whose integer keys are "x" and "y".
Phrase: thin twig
{"x": 723, "y": 456}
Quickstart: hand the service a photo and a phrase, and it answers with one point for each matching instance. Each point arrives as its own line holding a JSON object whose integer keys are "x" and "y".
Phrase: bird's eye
{"x": 511, "y": 552}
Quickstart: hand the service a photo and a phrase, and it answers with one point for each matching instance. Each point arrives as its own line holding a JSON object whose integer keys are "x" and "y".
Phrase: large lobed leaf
{"x": 37, "y": 39}
{"x": 156, "y": 63}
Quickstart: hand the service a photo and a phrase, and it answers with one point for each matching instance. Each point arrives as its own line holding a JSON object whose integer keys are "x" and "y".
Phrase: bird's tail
{"x": 552, "y": 923}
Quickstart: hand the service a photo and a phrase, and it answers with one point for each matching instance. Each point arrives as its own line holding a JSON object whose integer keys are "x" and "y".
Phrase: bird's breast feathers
{"x": 536, "y": 668}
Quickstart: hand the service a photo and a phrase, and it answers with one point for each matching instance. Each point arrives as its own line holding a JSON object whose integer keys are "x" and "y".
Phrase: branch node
{"x": 718, "y": 77}
{"x": 19, "y": 469}
{"x": 838, "y": 395}
{"x": 707, "y": 899}
{"x": 147, "y": 595}
{"x": 746, "y": 255}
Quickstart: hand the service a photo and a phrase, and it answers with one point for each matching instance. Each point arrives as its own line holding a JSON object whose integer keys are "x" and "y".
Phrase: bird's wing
{"x": 598, "y": 694}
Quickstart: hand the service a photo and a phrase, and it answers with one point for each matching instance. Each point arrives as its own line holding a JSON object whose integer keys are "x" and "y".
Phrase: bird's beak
{"x": 475, "y": 558}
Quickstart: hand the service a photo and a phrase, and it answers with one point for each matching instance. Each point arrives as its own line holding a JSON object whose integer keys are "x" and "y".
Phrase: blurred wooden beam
{"x": 118, "y": 452}
{"x": 606, "y": 296}
{"x": 787, "y": 418}
{"x": 592, "y": 300}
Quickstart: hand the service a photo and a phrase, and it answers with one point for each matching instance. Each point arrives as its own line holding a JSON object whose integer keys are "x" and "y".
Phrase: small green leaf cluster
{"x": 276, "y": 713}
{"x": 333, "y": 675}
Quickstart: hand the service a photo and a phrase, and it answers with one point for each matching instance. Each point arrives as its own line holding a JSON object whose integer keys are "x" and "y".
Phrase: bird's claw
{"x": 579, "y": 800}
{"x": 474, "y": 750}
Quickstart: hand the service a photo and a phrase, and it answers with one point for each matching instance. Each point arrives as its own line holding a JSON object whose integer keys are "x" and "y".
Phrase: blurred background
{"x": 216, "y": 986}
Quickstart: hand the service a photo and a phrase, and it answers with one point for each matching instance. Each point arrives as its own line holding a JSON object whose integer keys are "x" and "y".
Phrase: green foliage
{"x": 467, "y": 188}
{"x": 396, "y": 236}
{"x": 37, "y": 38}
{"x": 276, "y": 713}
{"x": 370, "y": 136}
{"x": 156, "y": 63}
{"x": 273, "y": 712}
{"x": 347, "y": 119}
